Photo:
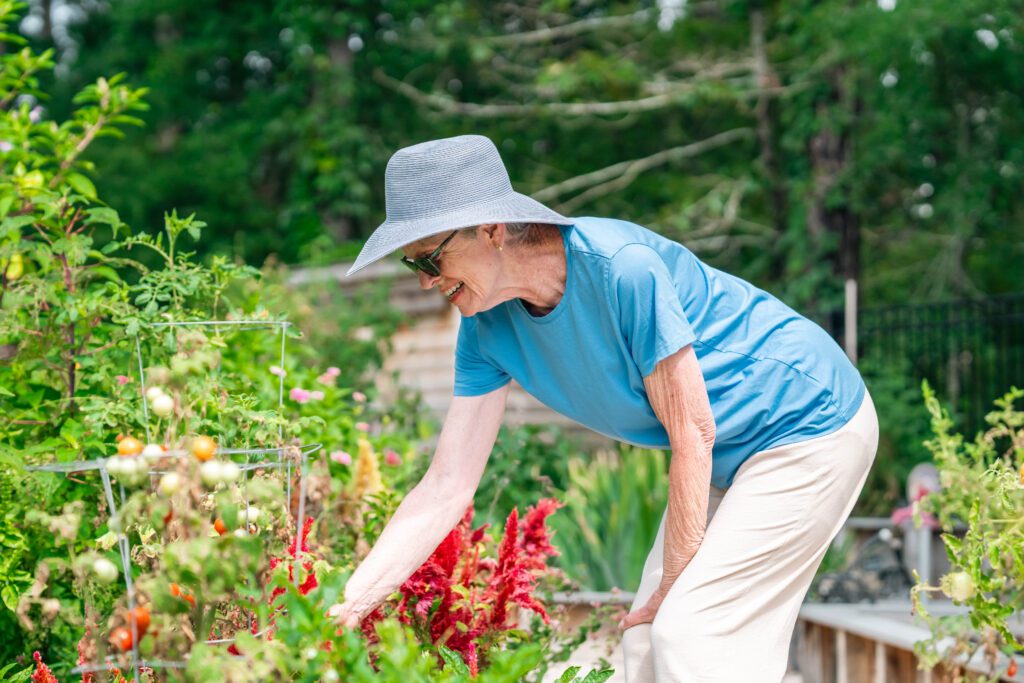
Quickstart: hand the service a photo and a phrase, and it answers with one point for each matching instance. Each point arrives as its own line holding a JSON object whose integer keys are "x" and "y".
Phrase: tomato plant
{"x": 981, "y": 488}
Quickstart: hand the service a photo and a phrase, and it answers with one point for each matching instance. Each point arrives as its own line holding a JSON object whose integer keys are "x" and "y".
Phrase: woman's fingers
{"x": 342, "y": 614}
{"x": 644, "y": 615}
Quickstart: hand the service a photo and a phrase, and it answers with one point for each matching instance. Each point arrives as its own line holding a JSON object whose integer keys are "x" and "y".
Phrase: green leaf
{"x": 598, "y": 676}
{"x": 10, "y": 597}
{"x": 454, "y": 660}
{"x": 106, "y": 215}
{"x": 5, "y": 392}
{"x": 82, "y": 185}
{"x": 569, "y": 675}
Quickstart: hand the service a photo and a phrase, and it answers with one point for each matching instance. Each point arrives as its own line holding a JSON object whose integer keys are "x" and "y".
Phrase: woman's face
{"x": 469, "y": 266}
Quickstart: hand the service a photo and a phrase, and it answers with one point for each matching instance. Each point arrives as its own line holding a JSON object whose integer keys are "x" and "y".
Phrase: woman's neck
{"x": 537, "y": 274}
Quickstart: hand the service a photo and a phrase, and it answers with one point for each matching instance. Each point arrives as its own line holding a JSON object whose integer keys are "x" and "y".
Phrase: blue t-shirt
{"x": 633, "y": 298}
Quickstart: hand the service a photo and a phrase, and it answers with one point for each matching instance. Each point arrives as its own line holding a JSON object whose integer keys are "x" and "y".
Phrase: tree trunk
{"x": 765, "y": 112}
{"x": 830, "y": 152}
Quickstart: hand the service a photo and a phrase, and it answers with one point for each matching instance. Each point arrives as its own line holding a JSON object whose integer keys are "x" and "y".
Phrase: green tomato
{"x": 959, "y": 586}
{"x": 169, "y": 484}
{"x": 105, "y": 570}
{"x": 163, "y": 405}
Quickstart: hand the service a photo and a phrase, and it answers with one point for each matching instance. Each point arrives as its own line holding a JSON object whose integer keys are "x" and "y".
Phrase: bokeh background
{"x": 798, "y": 144}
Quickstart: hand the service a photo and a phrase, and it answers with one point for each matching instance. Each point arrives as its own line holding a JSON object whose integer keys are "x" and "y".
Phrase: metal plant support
{"x": 255, "y": 458}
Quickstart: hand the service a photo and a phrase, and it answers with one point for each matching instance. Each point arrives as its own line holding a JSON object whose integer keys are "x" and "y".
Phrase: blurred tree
{"x": 795, "y": 142}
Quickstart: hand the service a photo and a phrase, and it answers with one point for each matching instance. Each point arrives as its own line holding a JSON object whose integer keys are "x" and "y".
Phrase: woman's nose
{"x": 427, "y": 280}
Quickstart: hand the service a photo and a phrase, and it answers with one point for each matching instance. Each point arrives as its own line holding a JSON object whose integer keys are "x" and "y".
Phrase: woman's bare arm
{"x": 432, "y": 508}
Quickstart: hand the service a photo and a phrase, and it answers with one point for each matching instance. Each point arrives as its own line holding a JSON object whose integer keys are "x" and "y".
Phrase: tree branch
{"x": 448, "y": 105}
{"x": 544, "y": 35}
{"x": 619, "y": 175}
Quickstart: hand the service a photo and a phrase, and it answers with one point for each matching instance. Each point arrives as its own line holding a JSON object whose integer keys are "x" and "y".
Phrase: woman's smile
{"x": 454, "y": 291}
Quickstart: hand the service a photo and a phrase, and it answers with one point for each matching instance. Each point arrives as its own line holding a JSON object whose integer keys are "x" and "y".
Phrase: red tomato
{"x": 220, "y": 526}
{"x": 1012, "y": 669}
{"x": 121, "y": 638}
{"x": 140, "y": 616}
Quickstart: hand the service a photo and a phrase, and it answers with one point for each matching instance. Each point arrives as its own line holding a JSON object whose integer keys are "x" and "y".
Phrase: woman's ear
{"x": 494, "y": 233}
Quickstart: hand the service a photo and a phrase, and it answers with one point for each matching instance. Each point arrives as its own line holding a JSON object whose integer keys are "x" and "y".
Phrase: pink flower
{"x": 35, "y": 114}
{"x": 299, "y": 395}
{"x": 122, "y": 380}
{"x": 5, "y": 146}
{"x": 392, "y": 458}
{"x": 359, "y": 397}
{"x": 341, "y": 457}
{"x": 275, "y": 370}
{"x": 325, "y": 379}
{"x": 333, "y": 371}
{"x": 316, "y": 395}
{"x": 363, "y": 426}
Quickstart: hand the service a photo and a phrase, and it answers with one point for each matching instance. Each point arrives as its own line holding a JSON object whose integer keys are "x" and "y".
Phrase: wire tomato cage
{"x": 255, "y": 459}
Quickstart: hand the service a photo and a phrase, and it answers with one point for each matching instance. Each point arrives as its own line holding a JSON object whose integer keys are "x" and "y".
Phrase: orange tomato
{"x": 178, "y": 593}
{"x": 203, "y": 447}
{"x": 220, "y": 526}
{"x": 121, "y": 638}
{"x": 140, "y": 617}
{"x": 129, "y": 445}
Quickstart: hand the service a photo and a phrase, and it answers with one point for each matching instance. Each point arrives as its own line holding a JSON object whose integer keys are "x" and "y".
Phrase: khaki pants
{"x": 730, "y": 615}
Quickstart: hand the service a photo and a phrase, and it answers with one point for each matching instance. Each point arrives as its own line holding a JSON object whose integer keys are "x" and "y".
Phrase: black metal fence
{"x": 971, "y": 352}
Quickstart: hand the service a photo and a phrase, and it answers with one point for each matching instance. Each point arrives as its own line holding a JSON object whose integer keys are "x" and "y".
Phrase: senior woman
{"x": 770, "y": 428}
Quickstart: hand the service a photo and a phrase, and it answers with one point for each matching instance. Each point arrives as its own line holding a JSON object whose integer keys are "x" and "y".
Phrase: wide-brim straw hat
{"x": 443, "y": 185}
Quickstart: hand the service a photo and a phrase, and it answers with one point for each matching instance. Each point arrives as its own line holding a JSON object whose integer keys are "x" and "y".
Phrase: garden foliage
{"x": 983, "y": 490}
{"x": 191, "y": 422}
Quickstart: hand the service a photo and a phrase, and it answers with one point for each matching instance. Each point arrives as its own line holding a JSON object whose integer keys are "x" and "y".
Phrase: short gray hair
{"x": 529, "y": 233}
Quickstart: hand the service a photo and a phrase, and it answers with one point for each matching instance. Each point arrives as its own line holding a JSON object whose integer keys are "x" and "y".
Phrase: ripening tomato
{"x": 1011, "y": 670}
{"x": 140, "y": 617}
{"x": 178, "y": 593}
{"x": 220, "y": 526}
{"x": 203, "y": 447}
{"x": 121, "y": 638}
{"x": 129, "y": 445}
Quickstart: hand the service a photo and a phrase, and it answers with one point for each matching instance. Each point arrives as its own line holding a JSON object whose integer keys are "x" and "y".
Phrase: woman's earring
{"x": 499, "y": 247}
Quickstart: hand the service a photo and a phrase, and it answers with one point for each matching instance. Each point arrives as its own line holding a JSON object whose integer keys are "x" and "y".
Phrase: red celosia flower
{"x": 88, "y": 676}
{"x": 474, "y": 665}
{"x": 42, "y": 674}
{"x": 536, "y": 540}
{"x": 307, "y": 565}
{"x": 459, "y": 598}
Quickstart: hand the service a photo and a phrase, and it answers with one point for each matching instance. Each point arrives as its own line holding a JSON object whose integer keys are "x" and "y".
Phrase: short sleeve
{"x": 650, "y": 314}
{"x": 474, "y": 374}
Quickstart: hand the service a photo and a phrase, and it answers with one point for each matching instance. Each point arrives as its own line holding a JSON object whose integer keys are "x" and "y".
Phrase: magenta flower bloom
{"x": 359, "y": 397}
{"x": 326, "y": 379}
{"x": 341, "y": 457}
{"x": 316, "y": 395}
{"x": 392, "y": 458}
{"x": 363, "y": 426}
{"x": 333, "y": 371}
{"x": 299, "y": 395}
{"x": 122, "y": 380}
{"x": 275, "y": 370}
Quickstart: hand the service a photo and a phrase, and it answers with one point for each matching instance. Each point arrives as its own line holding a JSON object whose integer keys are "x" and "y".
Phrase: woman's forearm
{"x": 679, "y": 398}
{"x": 689, "y": 479}
{"x": 426, "y": 515}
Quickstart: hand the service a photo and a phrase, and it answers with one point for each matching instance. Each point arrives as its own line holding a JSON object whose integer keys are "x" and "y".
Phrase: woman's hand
{"x": 344, "y": 614}
{"x": 646, "y": 614}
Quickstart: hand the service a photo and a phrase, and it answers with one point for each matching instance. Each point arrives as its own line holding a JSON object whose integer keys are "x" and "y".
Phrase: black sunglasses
{"x": 426, "y": 263}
